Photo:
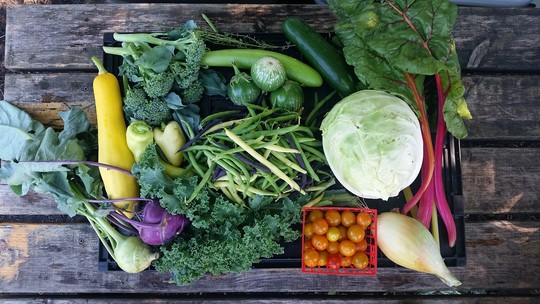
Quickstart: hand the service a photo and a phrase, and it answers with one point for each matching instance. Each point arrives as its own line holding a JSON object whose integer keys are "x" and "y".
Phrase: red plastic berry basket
{"x": 370, "y": 251}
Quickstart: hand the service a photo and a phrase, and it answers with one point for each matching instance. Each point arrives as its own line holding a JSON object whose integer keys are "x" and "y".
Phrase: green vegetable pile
{"x": 234, "y": 181}
{"x": 406, "y": 48}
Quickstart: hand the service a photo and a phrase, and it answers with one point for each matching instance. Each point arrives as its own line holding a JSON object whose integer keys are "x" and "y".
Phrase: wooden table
{"x": 47, "y": 255}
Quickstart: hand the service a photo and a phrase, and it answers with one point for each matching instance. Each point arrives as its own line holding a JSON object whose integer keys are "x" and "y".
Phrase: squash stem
{"x": 99, "y": 65}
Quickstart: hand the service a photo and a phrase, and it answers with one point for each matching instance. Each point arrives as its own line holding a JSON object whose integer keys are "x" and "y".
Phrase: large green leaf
{"x": 387, "y": 40}
{"x": 16, "y": 127}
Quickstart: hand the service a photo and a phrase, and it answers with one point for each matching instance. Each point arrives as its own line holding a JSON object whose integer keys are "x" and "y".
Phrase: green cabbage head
{"x": 373, "y": 144}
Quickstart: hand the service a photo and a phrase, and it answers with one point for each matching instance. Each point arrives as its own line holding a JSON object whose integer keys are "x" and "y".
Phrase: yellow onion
{"x": 406, "y": 242}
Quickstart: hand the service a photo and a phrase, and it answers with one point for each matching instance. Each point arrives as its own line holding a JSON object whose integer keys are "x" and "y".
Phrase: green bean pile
{"x": 267, "y": 152}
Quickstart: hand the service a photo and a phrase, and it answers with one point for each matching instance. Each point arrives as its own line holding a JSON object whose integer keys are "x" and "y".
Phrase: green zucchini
{"x": 321, "y": 55}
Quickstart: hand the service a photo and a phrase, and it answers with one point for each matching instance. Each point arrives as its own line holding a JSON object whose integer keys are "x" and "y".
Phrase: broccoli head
{"x": 193, "y": 93}
{"x": 139, "y": 106}
{"x": 158, "y": 84}
{"x": 184, "y": 74}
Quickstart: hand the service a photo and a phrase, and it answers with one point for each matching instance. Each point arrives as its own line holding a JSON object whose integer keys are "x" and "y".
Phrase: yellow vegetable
{"x": 408, "y": 243}
{"x": 112, "y": 146}
{"x": 170, "y": 138}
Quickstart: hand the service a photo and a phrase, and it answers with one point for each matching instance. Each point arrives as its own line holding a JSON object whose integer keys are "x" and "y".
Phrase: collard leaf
{"x": 16, "y": 127}
{"x": 91, "y": 180}
{"x": 48, "y": 146}
{"x": 75, "y": 122}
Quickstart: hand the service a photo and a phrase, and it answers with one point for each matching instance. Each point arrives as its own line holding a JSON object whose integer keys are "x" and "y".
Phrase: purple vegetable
{"x": 157, "y": 226}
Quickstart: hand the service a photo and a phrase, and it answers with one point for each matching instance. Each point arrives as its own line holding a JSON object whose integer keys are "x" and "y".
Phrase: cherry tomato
{"x": 311, "y": 258}
{"x": 315, "y": 214}
{"x": 308, "y": 230}
{"x": 348, "y": 218}
{"x": 347, "y": 248}
{"x": 323, "y": 258}
{"x": 333, "y": 247}
{"x": 333, "y": 234}
{"x": 320, "y": 226}
{"x": 363, "y": 219}
{"x": 319, "y": 242}
{"x": 361, "y": 246}
{"x": 332, "y": 217}
{"x": 356, "y": 233}
{"x": 360, "y": 260}
{"x": 346, "y": 261}
{"x": 333, "y": 261}
{"x": 308, "y": 245}
{"x": 342, "y": 232}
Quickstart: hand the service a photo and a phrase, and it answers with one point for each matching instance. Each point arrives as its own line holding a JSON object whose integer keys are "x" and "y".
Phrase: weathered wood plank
{"x": 300, "y": 299}
{"x": 497, "y": 115}
{"x": 60, "y": 259}
{"x": 486, "y": 38}
{"x": 502, "y": 180}
{"x": 504, "y": 107}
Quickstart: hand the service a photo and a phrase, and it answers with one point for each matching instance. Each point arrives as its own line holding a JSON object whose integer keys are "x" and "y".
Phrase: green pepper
{"x": 170, "y": 138}
{"x": 290, "y": 96}
{"x": 139, "y": 136}
{"x": 242, "y": 90}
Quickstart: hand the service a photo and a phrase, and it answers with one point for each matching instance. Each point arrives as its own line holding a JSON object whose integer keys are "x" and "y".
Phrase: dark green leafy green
{"x": 224, "y": 236}
{"x": 386, "y": 41}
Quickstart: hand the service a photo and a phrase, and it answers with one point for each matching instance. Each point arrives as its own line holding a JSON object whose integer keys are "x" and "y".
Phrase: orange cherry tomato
{"x": 361, "y": 246}
{"x": 333, "y": 247}
{"x": 356, "y": 233}
{"x": 319, "y": 242}
{"x": 333, "y": 234}
{"x": 360, "y": 260}
{"x": 308, "y": 230}
{"x": 342, "y": 232}
{"x": 363, "y": 219}
{"x": 320, "y": 226}
{"x": 323, "y": 258}
{"x": 333, "y": 261}
{"x": 308, "y": 245}
{"x": 315, "y": 214}
{"x": 347, "y": 248}
{"x": 332, "y": 217}
{"x": 311, "y": 258}
{"x": 348, "y": 218}
{"x": 346, "y": 261}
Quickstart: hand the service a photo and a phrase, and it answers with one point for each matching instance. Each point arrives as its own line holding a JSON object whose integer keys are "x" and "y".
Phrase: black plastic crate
{"x": 291, "y": 258}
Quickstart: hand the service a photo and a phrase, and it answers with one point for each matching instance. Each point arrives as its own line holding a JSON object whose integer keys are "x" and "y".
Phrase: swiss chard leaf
{"x": 387, "y": 40}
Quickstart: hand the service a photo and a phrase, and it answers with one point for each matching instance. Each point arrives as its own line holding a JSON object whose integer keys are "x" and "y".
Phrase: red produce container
{"x": 333, "y": 268}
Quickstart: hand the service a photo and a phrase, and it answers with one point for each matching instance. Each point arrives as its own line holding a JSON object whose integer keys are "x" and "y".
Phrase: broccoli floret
{"x": 184, "y": 74}
{"x": 139, "y": 106}
{"x": 157, "y": 84}
{"x": 193, "y": 93}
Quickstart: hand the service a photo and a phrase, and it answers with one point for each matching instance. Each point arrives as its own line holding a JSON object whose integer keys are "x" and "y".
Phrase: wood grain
{"x": 486, "y": 38}
{"x": 434, "y": 298}
{"x": 499, "y": 180}
{"x": 56, "y": 259}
